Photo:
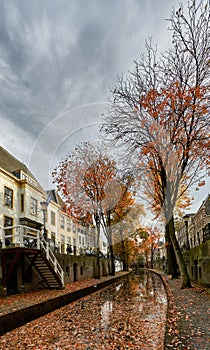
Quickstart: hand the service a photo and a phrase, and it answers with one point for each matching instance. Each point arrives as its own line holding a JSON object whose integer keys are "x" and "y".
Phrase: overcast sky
{"x": 58, "y": 60}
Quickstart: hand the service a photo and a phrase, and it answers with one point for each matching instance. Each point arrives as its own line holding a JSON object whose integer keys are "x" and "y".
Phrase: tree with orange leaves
{"x": 161, "y": 113}
{"x": 82, "y": 179}
{"x": 93, "y": 192}
{"x": 148, "y": 243}
{"x": 124, "y": 234}
{"x": 127, "y": 250}
{"x": 119, "y": 201}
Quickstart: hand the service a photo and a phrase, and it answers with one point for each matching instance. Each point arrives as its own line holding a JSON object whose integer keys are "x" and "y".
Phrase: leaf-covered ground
{"x": 127, "y": 315}
{"x": 19, "y": 301}
{"x": 188, "y": 322}
{"x": 91, "y": 323}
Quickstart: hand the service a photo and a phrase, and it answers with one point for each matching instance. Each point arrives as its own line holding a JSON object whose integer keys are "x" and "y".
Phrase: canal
{"x": 130, "y": 314}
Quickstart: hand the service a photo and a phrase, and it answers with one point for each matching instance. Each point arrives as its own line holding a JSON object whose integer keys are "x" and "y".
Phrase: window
{"x": 79, "y": 239}
{"x": 83, "y": 231}
{"x": 53, "y": 236}
{"x": 52, "y": 218}
{"x": 8, "y": 197}
{"x": 8, "y": 222}
{"x": 62, "y": 222}
{"x": 22, "y": 202}
{"x": 62, "y": 244}
{"x": 83, "y": 241}
{"x": 33, "y": 206}
{"x": 24, "y": 176}
{"x": 74, "y": 228}
{"x": 68, "y": 226}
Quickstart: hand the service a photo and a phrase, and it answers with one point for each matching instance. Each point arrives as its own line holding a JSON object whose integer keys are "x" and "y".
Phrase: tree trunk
{"x": 151, "y": 257}
{"x": 124, "y": 260}
{"x": 180, "y": 259}
{"x": 97, "y": 220}
{"x": 171, "y": 257}
{"x": 126, "y": 254}
{"x": 110, "y": 241}
{"x": 112, "y": 260}
{"x": 98, "y": 274}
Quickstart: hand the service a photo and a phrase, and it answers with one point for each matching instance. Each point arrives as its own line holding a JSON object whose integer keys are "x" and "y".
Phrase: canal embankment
{"x": 127, "y": 314}
{"x": 16, "y": 310}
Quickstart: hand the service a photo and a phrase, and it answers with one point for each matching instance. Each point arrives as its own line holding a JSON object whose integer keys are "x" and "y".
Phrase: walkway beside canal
{"x": 128, "y": 314}
{"x": 188, "y": 321}
{"x": 188, "y": 325}
{"x": 16, "y": 310}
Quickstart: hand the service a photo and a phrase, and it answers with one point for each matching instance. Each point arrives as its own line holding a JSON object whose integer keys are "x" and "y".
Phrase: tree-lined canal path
{"x": 130, "y": 314}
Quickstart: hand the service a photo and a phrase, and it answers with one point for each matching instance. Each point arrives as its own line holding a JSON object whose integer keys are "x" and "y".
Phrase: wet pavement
{"x": 189, "y": 317}
{"x": 130, "y": 314}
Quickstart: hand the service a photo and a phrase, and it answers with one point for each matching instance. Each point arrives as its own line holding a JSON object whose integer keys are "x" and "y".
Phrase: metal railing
{"x": 27, "y": 237}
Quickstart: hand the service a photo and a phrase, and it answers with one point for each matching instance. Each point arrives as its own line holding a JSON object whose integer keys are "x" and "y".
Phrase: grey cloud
{"x": 59, "y": 54}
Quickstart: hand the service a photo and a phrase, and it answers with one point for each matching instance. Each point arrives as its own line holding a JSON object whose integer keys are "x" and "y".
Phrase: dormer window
{"x": 17, "y": 173}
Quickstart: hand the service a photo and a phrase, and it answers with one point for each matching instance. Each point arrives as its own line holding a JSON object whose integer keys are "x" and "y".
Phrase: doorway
{"x": 75, "y": 272}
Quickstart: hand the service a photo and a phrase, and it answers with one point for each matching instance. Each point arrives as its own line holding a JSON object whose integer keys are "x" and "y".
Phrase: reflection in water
{"x": 138, "y": 300}
{"x": 118, "y": 287}
{"x": 126, "y": 315}
{"x": 106, "y": 310}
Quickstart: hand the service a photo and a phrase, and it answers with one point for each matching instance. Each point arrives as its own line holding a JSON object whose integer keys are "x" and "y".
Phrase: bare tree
{"x": 161, "y": 110}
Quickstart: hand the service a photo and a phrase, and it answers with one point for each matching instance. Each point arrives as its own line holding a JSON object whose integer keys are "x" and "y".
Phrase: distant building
{"x": 183, "y": 231}
{"x": 194, "y": 239}
{"x": 195, "y": 228}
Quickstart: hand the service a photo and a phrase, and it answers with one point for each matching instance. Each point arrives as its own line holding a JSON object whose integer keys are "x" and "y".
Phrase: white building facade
{"x": 21, "y": 196}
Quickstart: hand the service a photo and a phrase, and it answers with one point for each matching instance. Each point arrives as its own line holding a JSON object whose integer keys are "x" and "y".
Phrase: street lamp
{"x": 44, "y": 210}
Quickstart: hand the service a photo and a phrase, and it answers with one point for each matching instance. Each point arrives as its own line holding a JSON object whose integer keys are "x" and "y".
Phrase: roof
{"x": 55, "y": 197}
{"x": 12, "y": 165}
{"x": 205, "y": 206}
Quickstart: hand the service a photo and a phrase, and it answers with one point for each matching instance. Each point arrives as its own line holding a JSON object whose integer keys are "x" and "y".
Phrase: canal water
{"x": 130, "y": 314}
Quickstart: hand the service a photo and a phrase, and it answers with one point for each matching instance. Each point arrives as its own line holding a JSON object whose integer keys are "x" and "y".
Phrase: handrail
{"x": 27, "y": 237}
{"x": 51, "y": 258}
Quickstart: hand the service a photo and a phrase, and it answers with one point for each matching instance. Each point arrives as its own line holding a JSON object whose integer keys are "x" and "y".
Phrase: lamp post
{"x": 44, "y": 210}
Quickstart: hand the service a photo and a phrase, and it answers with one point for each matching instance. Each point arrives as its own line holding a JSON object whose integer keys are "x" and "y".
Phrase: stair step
{"x": 49, "y": 276}
{"x": 45, "y": 268}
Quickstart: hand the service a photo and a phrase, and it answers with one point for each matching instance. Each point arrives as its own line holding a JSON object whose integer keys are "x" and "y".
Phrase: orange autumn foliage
{"x": 177, "y": 131}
